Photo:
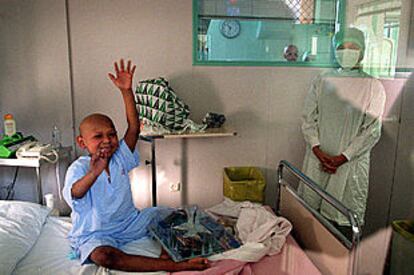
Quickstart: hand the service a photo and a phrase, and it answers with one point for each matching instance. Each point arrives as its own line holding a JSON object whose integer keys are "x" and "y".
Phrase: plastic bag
{"x": 244, "y": 183}
{"x": 160, "y": 107}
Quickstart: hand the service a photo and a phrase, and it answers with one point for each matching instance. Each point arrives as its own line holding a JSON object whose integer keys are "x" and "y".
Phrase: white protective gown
{"x": 342, "y": 114}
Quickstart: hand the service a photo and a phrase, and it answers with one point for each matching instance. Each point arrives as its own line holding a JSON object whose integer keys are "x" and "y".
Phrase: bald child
{"x": 107, "y": 228}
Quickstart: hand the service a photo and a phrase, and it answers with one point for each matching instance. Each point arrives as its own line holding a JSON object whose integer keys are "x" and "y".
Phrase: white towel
{"x": 261, "y": 232}
{"x": 231, "y": 208}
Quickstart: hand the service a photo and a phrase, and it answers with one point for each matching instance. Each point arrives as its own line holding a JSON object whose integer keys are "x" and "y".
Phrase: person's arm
{"x": 310, "y": 125}
{"x": 99, "y": 162}
{"x": 370, "y": 130}
{"x": 310, "y": 115}
{"x": 123, "y": 80}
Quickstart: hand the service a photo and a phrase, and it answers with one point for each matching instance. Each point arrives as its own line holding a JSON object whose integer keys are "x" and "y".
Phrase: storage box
{"x": 244, "y": 183}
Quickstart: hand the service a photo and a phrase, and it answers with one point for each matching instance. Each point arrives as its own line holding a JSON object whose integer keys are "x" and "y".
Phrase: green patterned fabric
{"x": 158, "y": 105}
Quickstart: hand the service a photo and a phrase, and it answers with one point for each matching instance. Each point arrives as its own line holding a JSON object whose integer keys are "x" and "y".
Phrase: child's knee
{"x": 105, "y": 256}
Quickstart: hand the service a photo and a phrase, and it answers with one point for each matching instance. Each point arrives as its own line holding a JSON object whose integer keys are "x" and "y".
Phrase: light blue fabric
{"x": 136, "y": 240}
{"x": 106, "y": 214}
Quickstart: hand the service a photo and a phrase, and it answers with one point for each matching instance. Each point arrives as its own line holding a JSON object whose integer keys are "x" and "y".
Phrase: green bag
{"x": 158, "y": 105}
{"x": 244, "y": 183}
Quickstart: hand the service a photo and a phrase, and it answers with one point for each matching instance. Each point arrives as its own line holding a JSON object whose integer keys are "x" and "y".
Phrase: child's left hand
{"x": 123, "y": 79}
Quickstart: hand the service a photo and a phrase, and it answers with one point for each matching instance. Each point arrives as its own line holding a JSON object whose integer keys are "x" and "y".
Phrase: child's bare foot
{"x": 196, "y": 264}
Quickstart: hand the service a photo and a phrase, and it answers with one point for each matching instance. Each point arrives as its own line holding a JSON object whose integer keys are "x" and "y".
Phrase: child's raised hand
{"x": 123, "y": 78}
{"x": 99, "y": 161}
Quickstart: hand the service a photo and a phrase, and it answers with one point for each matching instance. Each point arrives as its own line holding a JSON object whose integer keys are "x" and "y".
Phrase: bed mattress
{"x": 49, "y": 255}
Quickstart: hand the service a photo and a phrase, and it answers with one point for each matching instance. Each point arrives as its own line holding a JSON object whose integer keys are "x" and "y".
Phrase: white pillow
{"x": 20, "y": 226}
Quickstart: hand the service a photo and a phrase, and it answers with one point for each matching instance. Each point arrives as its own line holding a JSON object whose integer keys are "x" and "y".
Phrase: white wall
{"x": 34, "y": 76}
{"x": 34, "y": 81}
{"x": 261, "y": 104}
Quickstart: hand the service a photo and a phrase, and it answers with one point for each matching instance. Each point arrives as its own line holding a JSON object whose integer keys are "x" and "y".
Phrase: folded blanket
{"x": 261, "y": 232}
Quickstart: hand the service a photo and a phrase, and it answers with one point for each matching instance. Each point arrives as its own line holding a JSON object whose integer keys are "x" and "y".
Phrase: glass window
{"x": 381, "y": 25}
{"x": 265, "y": 32}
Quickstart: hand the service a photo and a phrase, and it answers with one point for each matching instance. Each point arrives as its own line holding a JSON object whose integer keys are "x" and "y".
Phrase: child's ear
{"x": 80, "y": 142}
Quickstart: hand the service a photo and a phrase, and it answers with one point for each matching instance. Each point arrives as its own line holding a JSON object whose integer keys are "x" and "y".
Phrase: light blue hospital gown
{"x": 106, "y": 215}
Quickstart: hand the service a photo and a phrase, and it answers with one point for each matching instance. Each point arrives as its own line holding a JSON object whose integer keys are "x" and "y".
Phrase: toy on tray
{"x": 190, "y": 232}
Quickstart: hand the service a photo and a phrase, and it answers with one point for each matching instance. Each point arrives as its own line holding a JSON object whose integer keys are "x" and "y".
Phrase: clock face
{"x": 230, "y": 28}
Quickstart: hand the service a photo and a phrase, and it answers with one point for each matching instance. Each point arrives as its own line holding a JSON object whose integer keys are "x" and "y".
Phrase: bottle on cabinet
{"x": 9, "y": 125}
{"x": 56, "y": 137}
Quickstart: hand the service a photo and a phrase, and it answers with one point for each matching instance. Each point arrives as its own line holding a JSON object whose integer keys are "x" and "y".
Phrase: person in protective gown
{"x": 341, "y": 124}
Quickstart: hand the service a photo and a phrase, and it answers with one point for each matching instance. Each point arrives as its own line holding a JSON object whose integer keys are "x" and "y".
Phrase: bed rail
{"x": 351, "y": 245}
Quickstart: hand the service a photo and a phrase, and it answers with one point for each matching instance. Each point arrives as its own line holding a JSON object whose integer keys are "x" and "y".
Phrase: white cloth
{"x": 49, "y": 254}
{"x": 20, "y": 226}
{"x": 231, "y": 208}
{"x": 261, "y": 232}
{"x": 342, "y": 114}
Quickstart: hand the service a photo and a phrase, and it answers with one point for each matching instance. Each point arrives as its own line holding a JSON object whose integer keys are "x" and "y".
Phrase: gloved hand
{"x": 329, "y": 164}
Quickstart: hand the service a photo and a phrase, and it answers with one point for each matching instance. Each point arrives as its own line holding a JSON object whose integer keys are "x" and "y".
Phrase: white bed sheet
{"x": 50, "y": 253}
{"x": 49, "y": 256}
{"x": 20, "y": 225}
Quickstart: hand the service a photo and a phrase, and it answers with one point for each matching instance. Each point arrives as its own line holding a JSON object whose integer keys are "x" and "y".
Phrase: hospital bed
{"x": 324, "y": 244}
{"x": 33, "y": 242}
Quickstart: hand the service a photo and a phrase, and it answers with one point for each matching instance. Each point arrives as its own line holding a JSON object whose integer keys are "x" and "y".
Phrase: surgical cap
{"x": 352, "y": 35}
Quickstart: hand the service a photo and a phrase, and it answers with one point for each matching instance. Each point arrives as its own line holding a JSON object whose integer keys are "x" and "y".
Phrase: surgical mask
{"x": 347, "y": 58}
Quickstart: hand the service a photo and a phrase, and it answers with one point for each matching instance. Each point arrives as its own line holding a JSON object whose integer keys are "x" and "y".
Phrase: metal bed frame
{"x": 351, "y": 245}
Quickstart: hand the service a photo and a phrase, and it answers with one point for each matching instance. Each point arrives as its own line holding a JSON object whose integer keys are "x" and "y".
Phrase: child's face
{"x": 100, "y": 136}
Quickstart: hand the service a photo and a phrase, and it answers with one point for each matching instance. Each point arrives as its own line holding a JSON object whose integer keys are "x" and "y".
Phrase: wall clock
{"x": 230, "y": 28}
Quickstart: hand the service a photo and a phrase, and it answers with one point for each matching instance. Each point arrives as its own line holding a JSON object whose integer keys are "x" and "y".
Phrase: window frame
{"x": 339, "y": 22}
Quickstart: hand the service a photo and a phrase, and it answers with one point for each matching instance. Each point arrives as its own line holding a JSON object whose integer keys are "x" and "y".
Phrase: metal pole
{"x": 154, "y": 173}
{"x": 10, "y": 188}
{"x": 39, "y": 185}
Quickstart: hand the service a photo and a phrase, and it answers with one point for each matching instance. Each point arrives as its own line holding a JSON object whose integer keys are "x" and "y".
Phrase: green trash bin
{"x": 402, "y": 249}
{"x": 244, "y": 184}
